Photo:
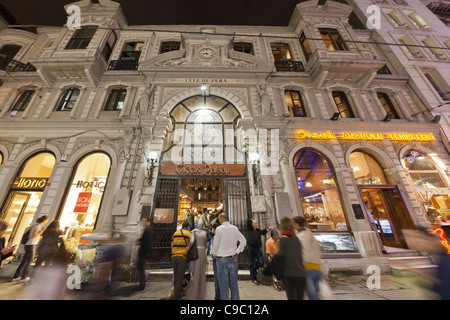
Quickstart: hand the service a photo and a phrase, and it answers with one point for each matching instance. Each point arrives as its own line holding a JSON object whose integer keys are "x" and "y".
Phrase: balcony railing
{"x": 16, "y": 66}
{"x": 289, "y": 65}
{"x": 123, "y": 65}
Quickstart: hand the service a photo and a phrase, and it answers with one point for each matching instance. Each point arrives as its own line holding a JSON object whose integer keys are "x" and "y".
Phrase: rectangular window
{"x": 305, "y": 46}
{"x": 245, "y": 47}
{"x": 115, "y": 100}
{"x": 109, "y": 46}
{"x": 439, "y": 84}
{"x": 68, "y": 100}
{"x": 81, "y": 38}
{"x": 343, "y": 105}
{"x": 332, "y": 39}
{"x": 411, "y": 49}
{"x": 294, "y": 103}
{"x": 168, "y": 46}
{"x": 23, "y": 101}
{"x": 132, "y": 51}
{"x": 281, "y": 51}
{"x": 7, "y": 53}
{"x": 387, "y": 105}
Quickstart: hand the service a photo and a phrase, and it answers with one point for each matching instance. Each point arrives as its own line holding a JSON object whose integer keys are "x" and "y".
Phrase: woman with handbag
{"x": 197, "y": 267}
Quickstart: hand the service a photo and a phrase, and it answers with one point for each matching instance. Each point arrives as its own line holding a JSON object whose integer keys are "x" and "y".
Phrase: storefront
{"x": 83, "y": 197}
{"x": 25, "y": 195}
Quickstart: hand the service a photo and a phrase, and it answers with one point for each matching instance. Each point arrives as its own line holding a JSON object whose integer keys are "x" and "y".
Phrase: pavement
{"x": 159, "y": 282}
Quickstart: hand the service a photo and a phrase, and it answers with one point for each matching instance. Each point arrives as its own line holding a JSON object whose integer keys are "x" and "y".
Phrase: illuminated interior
{"x": 366, "y": 170}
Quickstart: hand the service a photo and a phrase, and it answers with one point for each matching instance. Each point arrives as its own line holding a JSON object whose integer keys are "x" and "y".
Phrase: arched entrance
{"x": 202, "y": 167}
{"x": 383, "y": 201}
{"x": 25, "y": 195}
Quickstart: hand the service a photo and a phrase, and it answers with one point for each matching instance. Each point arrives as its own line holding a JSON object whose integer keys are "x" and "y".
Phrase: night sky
{"x": 166, "y": 12}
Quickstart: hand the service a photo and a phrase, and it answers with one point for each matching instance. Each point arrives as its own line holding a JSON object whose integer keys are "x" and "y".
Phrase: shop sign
{"x": 205, "y": 80}
{"x": 328, "y": 135}
{"x": 170, "y": 168}
{"x": 83, "y": 201}
{"x": 35, "y": 184}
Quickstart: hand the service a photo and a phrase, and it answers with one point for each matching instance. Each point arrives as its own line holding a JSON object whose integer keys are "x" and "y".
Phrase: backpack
{"x": 26, "y": 235}
{"x": 277, "y": 265}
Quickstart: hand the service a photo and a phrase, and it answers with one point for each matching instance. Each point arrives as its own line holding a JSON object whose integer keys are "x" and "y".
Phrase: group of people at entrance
{"x": 294, "y": 242}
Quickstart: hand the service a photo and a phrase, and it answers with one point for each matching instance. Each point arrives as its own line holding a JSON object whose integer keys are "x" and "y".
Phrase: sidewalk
{"x": 159, "y": 284}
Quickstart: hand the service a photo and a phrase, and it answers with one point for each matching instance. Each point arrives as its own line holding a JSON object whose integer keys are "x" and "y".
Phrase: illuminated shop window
{"x": 318, "y": 192}
{"x": 84, "y": 197}
{"x": 366, "y": 170}
{"x": 425, "y": 173}
{"x": 25, "y": 195}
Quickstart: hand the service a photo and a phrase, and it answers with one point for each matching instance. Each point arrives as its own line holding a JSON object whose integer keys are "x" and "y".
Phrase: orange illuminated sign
{"x": 328, "y": 135}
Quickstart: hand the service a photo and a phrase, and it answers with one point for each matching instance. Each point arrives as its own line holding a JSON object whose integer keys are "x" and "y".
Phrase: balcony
{"x": 288, "y": 65}
{"x": 384, "y": 70}
{"x": 123, "y": 65}
{"x": 16, "y": 66}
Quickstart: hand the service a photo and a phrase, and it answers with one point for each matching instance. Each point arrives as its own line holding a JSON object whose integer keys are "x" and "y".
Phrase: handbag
{"x": 192, "y": 253}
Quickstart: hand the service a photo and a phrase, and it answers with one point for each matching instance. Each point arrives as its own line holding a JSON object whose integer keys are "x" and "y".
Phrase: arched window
{"x": 387, "y": 105}
{"x": 7, "y": 53}
{"x": 204, "y": 131}
{"x": 318, "y": 191}
{"x": 84, "y": 196}
{"x": 342, "y": 104}
{"x": 366, "y": 169}
{"x": 25, "y": 195}
{"x": 294, "y": 103}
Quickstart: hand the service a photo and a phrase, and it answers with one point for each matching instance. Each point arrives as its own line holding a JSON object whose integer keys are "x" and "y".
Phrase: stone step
{"x": 413, "y": 270}
{"x": 410, "y": 261}
{"x": 404, "y": 253}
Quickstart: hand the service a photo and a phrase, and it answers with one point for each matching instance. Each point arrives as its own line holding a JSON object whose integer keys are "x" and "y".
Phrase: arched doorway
{"x": 83, "y": 197}
{"x": 383, "y": 201}
{"x": 25, "y": 195}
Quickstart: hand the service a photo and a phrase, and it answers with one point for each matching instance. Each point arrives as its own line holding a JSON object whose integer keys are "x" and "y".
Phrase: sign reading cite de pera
{"x": 328, "y": 135}
{"x": 192, "y": 169}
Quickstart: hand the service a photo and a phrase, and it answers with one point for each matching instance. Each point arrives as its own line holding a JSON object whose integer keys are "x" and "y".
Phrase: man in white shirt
{"x": 228, "y": 243}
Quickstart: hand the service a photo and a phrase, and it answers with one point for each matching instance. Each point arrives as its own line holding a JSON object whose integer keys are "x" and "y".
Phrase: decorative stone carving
{"x": 264, "y": 103}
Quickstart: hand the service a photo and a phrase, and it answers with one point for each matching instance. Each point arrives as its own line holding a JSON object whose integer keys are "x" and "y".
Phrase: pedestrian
{"x": 197, "y": 267}
{"x": 36, "y": 231}
{"x": 144, "y": 244}
{"x": 180, "y": 245}
{"x": 374, "y": 226}
{"x": 204, "y": 217}
{"x": 228, "y": 243}
{"x": 214, "y": 260}
{"x": 5, "y": 252}
{"x": 255, "y": 258}
{"x": 272, "y": 247}
{"x": 47, "y": 246}
{"x": 190, "y": 219}
{"x": 311, "y": 257}
{"x": 294, "y": 275}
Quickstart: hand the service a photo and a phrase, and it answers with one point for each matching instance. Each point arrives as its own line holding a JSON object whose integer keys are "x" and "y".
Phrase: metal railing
{"x": 289, "y": 65}
{"x": 123, "y": 65}
{"x": 16, "y": 66}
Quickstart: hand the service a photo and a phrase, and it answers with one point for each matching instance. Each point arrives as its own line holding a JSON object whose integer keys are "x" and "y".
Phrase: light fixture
{"x": 203, "y": 86}
{"x": 436, "y": 119}
{"x": 388, "y": 117}
{"x": 335, "y": 116}
{"x": 152, "y": 159}
{"x": 308, "y": 185}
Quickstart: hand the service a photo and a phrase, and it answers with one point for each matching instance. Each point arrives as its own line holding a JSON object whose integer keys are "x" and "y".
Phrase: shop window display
{"x": 84, "y": 198}
{"x": 366, "y": 170}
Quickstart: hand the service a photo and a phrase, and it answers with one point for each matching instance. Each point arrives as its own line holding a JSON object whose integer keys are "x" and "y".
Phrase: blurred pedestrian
{"x": 180, "y": 246}
{"x": 47, "y": 247}
{"x": 228, "y": 243}
{"x": 374, "y": 225}
{"x": 294, "y": 274}
{"x": 272, "y": 247}
{"x": 214, "y": 260}
{"x": 190, "y": 219}
{"x": 311, "y": 257}
{"x": 36, "y": 231}
{"x": 5, "y": 252}
{"x": 144, "y": 244}
{"x": 204, "y": 217}
{"x": 255, "y": 258}
{"x": 197, "y": 267}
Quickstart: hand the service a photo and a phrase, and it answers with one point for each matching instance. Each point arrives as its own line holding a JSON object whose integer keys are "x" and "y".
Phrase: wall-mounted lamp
{"x": 335, "y": 116}
{"x": 436, "y": 119}
{"x": 254, "y": 161}
{"x": 13, "y": 114}
{"x": 151, "y": 161}
{"x": 388, "y": 117}
{"x": 205, "y": 89}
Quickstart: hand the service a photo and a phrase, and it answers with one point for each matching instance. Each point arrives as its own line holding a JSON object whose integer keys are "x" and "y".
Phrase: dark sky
{"x": 170, "y": 12}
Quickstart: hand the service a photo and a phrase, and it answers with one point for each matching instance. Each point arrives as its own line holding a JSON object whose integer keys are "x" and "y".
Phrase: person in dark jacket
{"x": 255, "y": 258}
{"x": 294, "y": 274}
{"x": 5, "y": 252}
{"x": 145, "y": 243}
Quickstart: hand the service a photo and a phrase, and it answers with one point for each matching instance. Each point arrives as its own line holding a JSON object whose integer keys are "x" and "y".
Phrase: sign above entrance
{"x": 191, "y": 169}
{"x": 205, "y": 80}
{"x": 328, "y": 135}
{"x": 34, "y": 184}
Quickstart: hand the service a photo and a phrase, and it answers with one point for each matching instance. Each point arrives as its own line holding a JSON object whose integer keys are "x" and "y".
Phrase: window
{"x": 418, "y": 21}
{"x": 332, "y": 39}
{"x": 366, "y": 169}
{"x": 81, "y": 38}
{"x": 294, "y": 103}
{"x": 168, "y": 46}
{"x": 23, "y": 101}
{"x": 387, "y": 104}
{"x": 245, "y": 47}
{"x": 132, "y": 51}
{"x": 435, "y": 49}
{"x": 411, "y": 49}
{"x": 342, "y": 104}
{"x": 439, "y": 84}
{"x": 305, "y": 46}
{"x": 109, "y": 46}
{"x": 7, "y": 53}
{"x": 396, "y": 19}
{"x": 281, "y": 51}
{"x": 318, "y": 191}
{"x": 68, "y": 100}
{"x": 115, "y": 100}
